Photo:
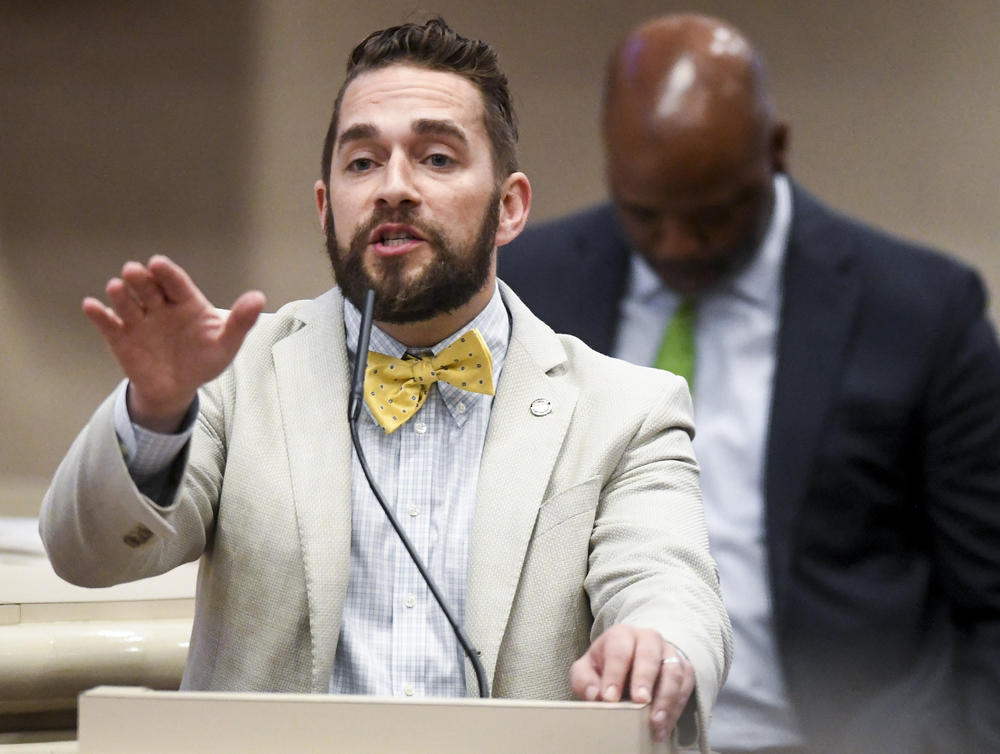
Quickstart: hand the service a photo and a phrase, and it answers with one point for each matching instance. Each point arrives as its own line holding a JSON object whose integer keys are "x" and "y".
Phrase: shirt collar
{"x": 759, "y": 280}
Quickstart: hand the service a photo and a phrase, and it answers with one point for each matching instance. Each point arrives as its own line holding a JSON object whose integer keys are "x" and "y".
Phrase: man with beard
{"x": 847, "y": 396}
{"x": 562, "y": 523}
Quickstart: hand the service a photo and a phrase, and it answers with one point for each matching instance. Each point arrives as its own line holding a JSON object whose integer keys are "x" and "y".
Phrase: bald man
{"x": 847, "y": 403}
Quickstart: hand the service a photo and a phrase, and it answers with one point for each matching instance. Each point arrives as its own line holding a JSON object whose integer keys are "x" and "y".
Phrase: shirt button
{"x": 409, "y": 600}
{"x": 413, "y": 510}
{"x": 460, "y": 408}
{"x": 419, "y": 428}
{"x": 408, "y": 690}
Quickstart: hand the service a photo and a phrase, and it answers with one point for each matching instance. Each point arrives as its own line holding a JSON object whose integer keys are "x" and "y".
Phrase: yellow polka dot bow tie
{"x": 395, "y": 389}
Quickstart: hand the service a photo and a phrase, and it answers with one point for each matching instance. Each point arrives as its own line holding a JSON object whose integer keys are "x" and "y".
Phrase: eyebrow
{"x": 357, "y": 132}
{"x": 428, "y": 126}
{"x": 423, "y": 127}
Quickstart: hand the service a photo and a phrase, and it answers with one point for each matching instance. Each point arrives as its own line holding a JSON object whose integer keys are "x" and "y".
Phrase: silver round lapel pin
{"x": 541, "y": 406}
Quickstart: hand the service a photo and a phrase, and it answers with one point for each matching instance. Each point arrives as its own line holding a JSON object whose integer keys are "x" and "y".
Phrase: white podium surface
{"x": 115, "y": 720}
{"x": 54, "y": 747}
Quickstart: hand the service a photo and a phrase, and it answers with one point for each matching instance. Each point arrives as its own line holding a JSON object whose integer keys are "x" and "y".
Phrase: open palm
{"x": 167, "y": 337}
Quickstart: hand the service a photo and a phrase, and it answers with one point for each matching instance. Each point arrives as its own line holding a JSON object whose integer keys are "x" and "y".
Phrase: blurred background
{"x": 194, "y": 129}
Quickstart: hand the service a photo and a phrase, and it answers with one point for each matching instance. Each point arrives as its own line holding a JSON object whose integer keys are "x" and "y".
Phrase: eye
{"x": 360, "y": 165}
{"x": 438, "y": 160}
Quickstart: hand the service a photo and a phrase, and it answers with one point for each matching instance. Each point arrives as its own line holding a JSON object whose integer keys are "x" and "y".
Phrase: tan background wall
{"x": 194, "y": 129}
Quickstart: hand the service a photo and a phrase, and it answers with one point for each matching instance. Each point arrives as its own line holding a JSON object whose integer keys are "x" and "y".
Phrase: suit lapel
{"x": 819, "y": 303}
{"x": 313, "y": 362}
{"x": 518, "y": 457}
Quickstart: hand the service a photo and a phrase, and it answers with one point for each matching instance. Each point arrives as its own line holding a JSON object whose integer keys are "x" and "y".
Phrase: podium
{"x": 117, "y": 720}
{"x": 57, "y": 639}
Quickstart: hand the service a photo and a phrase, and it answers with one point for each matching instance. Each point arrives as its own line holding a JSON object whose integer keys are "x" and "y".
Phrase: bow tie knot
{"x": 422, "y": 369}
{"x": 395, "y": 389}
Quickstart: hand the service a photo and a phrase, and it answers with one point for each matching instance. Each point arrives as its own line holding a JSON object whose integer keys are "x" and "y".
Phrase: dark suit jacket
{"x": 882, "y": 472}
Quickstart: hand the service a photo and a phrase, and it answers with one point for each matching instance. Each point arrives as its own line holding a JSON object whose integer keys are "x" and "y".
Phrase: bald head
{"x": 692, "y": 143}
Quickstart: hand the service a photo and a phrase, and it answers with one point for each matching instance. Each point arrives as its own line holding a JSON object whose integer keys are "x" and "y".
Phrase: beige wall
{"x": 132, "y": 128}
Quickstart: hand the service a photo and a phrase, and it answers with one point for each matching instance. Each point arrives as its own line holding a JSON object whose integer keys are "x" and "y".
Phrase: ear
{"x": 779, "y": 147}
{"x": 515, "y": 204}
{"x": 320, "y": 189}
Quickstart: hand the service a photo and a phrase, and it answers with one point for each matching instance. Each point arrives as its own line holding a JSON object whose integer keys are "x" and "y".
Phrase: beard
{"x": 448, "y": 281}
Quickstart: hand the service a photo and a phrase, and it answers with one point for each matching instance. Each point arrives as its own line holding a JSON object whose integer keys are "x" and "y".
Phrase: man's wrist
{"x": 163, "y": 418}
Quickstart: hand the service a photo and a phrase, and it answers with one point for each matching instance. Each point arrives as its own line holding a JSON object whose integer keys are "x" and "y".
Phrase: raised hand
{"x": 167, "y": 337}
{"x": 657, "y": 674}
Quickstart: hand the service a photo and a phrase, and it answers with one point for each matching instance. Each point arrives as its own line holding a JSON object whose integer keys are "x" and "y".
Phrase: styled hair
{"x": 438, "y": 47}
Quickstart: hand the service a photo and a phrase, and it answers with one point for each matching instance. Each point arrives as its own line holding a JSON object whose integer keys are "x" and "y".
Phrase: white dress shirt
{"x": 736, "y": 332}
{"x": 394, "y": 639}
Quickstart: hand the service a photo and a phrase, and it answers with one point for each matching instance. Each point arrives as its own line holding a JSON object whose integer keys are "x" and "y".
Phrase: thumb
{"x": 241, "y": 318}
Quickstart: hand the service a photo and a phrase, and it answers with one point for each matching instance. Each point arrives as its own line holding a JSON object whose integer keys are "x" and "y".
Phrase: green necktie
{"x": 677, "y": 347}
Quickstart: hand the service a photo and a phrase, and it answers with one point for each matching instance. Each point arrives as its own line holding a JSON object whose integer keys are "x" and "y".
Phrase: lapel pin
{"x": 541, "y": 406}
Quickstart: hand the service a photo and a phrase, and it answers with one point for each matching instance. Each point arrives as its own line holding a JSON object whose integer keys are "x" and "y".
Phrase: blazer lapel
{"x": 518, "y": 457}
{"x": 312, "y": 361}
{"x": 819, "y": 303}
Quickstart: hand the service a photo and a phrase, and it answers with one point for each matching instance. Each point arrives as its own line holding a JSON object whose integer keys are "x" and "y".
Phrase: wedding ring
{"x": 671, "y": 660}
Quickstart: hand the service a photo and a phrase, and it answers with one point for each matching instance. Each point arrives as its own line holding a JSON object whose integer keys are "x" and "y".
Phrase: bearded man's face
{"x": 413, "y": 201}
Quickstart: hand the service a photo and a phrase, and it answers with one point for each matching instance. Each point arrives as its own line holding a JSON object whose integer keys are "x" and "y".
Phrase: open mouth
{"x": 395, "y": 238}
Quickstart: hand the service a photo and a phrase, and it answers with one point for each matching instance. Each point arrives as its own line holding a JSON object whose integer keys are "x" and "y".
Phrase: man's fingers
{"x": 103, "y": 317}
{"x": 122, "y": 301}
{"x": 144, "y": 286}
{"x": 658, "y": 673}
{"x": 673, "y": 689}
{"x": 176, "y": 284}
{"x": 645, "y": 666}
{"x": 619, "y": 646}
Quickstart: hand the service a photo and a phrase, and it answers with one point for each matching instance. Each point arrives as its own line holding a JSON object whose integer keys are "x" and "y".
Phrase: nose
{"x": 397, "y": 186}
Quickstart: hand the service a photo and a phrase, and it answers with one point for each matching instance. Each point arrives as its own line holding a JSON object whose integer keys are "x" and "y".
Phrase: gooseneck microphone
{"x": 353, "y": 412}
{"x": 360, "y": 363}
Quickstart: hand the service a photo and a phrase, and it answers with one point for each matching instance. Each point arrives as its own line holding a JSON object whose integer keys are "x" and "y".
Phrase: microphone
{"x": 361, "y": 359}
{"x": 353, "y": 413}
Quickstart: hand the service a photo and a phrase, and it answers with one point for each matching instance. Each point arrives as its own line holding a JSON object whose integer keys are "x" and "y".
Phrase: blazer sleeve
{"x": 99, "y": 529}
{"x": 650, "y": 564}
{"x": 961, "y": 486}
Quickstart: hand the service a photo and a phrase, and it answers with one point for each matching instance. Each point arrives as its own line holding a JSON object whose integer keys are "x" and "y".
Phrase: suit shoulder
{"x": 550, "y": 242}
{"x": 876, "y": 250}
{"x": 893, "y": 268}
{"x": 623, "y": 381}
{"x": 274, "y": 326}
{"x": 596, "y": 217}
{"x": 254, "y": 361}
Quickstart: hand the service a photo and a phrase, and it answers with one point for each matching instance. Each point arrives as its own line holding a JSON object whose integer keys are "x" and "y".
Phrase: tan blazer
{"x": 586, "y": 517}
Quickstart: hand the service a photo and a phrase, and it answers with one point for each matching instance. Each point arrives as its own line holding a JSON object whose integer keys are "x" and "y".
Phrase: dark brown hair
{"x": 436, "y": 46}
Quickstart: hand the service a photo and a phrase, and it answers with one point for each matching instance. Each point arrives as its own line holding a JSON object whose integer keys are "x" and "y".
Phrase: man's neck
{"x": 432, "y": 331}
